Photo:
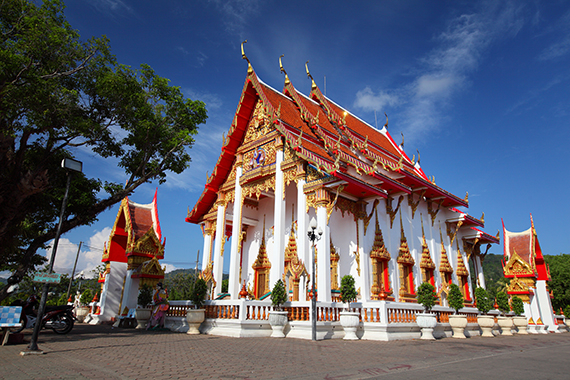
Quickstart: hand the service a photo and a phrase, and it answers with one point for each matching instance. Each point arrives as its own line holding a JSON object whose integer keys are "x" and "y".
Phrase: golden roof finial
{"x": 422, "y": 220}
{"x": 386, "y": 125}
{"x": 243, "y": 56}
{"x": 401, "y": 226}
{"x": 313, "y": 85}
{"x": 287, "y": 81}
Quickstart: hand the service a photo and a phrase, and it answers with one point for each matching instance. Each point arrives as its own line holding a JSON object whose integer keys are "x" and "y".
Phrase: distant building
{"x": 524, "y": 265}
{"x": 287, "y": 158}
{"x": 131, "y": 259}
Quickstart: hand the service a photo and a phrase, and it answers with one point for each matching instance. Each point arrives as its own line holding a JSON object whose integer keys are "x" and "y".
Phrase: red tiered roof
{"x": 332, "y": 140}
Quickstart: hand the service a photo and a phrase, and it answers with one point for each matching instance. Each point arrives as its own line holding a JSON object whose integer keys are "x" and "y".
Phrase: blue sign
{"x": 47, "y": 278}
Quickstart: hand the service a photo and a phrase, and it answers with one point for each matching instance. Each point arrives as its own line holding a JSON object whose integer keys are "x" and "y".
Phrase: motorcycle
{"x": 58, "y": 318}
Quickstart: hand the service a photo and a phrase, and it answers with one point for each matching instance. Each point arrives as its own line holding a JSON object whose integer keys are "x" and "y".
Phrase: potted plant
{"x": 486, "y": 322}
{"x": 519, "y": 320}
{"x": 143, "y": 311}
{"x": 196, "y": 316}
{"x": 505, "y": 323}
{"x": 278, "y": 317}
{"x": 83, "y": 307}
{"x": 426, "y": 320}
{"x": 349, "y": 320}
{"x": 457, "y": 321}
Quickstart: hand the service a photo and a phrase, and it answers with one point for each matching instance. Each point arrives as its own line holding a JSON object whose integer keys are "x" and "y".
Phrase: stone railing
{"x": 370, "y": 312}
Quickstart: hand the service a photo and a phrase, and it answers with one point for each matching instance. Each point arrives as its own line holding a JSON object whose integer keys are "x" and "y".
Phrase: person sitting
{"x": 160, "y": 302}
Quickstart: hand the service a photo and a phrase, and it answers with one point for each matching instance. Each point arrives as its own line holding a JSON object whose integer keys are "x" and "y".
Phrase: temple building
{"x": 289, "y": 157}
{"x": 524, "y": 265}
{"x": 130, "y": 258}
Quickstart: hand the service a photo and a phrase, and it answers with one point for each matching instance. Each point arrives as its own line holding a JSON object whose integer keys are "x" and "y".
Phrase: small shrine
{"x": 131, "y": 259}
{"x": 524, "y": 265}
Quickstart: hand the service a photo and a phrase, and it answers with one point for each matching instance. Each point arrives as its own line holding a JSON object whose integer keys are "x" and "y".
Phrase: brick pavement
{"x": 100, "y": 352}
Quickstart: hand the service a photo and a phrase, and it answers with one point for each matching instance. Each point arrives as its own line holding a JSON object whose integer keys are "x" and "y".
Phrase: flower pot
{"x": 427, "y": 323}
{"x": 486, "y": 323}
{"x": 195, "y": 317}
{"x": 458, "y": 323}
{"x": 277, "y": 320}
{"x": 349, "y": 321}
{"x": 521, "y": 324}
{"x": 81, "y": 312}
{"x": 142, "y": 316}
{"x": 506, "y": 324}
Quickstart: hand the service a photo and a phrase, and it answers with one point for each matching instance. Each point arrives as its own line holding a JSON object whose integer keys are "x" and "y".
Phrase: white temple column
{"x": 207, "y": 251}
{"x": 277, "y": 256}
{"x": 220, "y": 236}
{"x": 234, "y": 287}
{"x": 323, "y": 251}
{"x": 480, "y": 274}
{"x": 365, "y": 264}
{"x": 302, "y": 239}
{"x": 393, "y": 249}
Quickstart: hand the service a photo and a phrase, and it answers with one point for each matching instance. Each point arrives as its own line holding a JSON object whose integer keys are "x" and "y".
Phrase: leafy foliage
{"x": 560, "y": 282}
{"x": 278, "y": 294}
{"x": 503, "y": 302}
{"x": 455, "y": 297}
{"x": 144, "y": 298}
{"x": 517, "y": 304}
{"x": 57, "y": 94}
{"x": 427, "y": 296}
{"x": 179, "y": 284}
{"x": 347, "y": 289}
{"x": 86, "y": 297}
{"x": 199, "y": 293}
{"x": 483, "y": 301}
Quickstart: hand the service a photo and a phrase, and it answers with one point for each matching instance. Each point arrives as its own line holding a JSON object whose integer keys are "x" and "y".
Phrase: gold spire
{"x": 287, "y": 81}
{"x": 313, "y": 85}
{"x": 243, "y": 56}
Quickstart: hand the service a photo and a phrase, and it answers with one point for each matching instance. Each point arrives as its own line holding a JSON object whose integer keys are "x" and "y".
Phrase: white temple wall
{"x": 111, "y": 294}
{"x": 545, "y": 306}
{"x": 343, "y": 236}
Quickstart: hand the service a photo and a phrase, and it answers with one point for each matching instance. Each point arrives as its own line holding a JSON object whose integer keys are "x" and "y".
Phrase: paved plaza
{"x": 103, "y": 352}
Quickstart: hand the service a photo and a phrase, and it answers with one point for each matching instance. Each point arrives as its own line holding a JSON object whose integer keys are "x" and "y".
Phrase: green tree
{"x": 426, "y": 296}
{"x": 483, "y": 301}
{"x": 518, "y": 306}
{"x": 503, "y": 302}
{"x": 347, "y": 289}
{"x": 560, "y": 283}
{"x": 58, "y": 93}
{"x": 180, "y": 285}
{"x": 278, "y": 294}
{"x": 455, "y": 297}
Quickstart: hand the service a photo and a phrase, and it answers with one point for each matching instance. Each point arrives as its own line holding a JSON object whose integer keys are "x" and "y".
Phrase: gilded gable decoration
{"x": 406, "y": 263}
{"x": 444, "y": 266}
{"x": 261, "y": 268}
{"x": 516, "y": 266}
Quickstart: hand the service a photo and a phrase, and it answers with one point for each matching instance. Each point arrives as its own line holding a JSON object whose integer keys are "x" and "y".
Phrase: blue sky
{"x": 481, "y": 89}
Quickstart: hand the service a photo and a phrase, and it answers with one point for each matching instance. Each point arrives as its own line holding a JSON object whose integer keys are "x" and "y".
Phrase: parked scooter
{"x": 58, "y": 318}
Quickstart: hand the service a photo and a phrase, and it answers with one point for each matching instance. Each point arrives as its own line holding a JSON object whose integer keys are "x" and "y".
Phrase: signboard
{"x": 47, "y": 278}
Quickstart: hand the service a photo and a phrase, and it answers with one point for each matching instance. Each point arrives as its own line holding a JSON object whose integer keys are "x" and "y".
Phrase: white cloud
{"x": 562, "y": 45}
{"x": 112, "y": 7}
{"x": 445, "y": 70}
{"x": 369, "y": 101}
{"x": 170, "y": 268}
{"x": 212, "y": 101}
{"x": 89, "y": 256}
{"x": 235, "y": 14}
{"x": 431, "y": 85}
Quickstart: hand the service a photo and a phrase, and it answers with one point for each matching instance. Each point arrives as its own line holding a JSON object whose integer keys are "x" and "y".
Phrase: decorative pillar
{"x": 277, "y": 256}
{"x": 365, "y": 263}
{"x": 302, "y": 225}
{"x": 323, "y": 248}
{"x": 480, "y": 274}
{"x": 234, "y": 280}
{"x": 209, "y": 229}
{"x": 218, "y": 246}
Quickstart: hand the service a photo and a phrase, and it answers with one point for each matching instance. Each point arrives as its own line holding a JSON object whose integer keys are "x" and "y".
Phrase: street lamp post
{"x": 70, "y": 166}
{"x": 313, "y": 237}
